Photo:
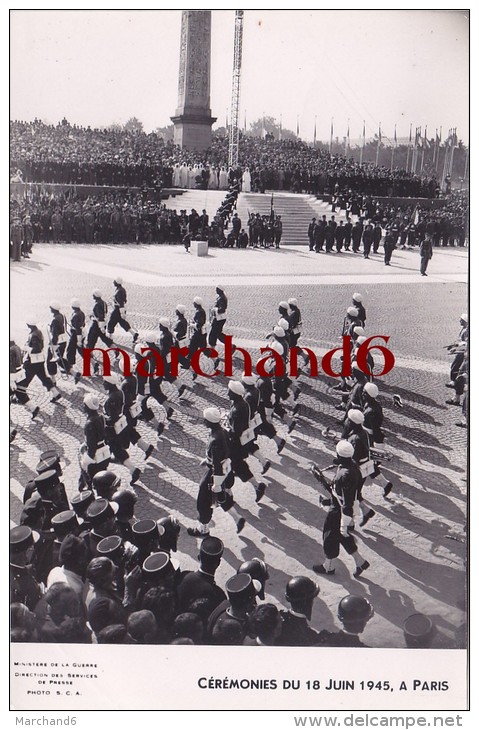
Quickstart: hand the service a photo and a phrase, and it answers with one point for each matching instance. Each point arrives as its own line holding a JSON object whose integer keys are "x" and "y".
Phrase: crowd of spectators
{"x": 114, "y": 217}
{"x": 69, "y": 154}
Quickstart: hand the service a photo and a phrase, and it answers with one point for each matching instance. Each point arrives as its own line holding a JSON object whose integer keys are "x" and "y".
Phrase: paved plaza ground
{"x": 415, "y": 543}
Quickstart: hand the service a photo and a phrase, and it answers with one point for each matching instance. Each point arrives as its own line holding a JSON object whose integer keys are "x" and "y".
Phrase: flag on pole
{"x": 425, "y": 140}
{"x": 331, "y": 137}
{"x": 314, "y": 133}
{"x": 379, "y": 135}
{"x": 361, "y": 153}
{"x": 245, "y": 121}
{"x": 395, "y": 136}
{"x": 297, "y": 126}
{"x": 347, "y": 140}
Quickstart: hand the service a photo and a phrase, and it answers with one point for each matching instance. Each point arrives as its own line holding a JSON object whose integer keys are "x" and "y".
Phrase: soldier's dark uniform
{"x": 198, "y": 330}
{"x": 218, "y": 318}
{"x": 296, "y": 630}
{"x": 58, "y": 343}
{"x": 118, "y": 312}
{"x": 98, "y": 326}
{"x": 34, "y": 364}
{"x": 75, "y": 341}
{"x": 95, "y": 440}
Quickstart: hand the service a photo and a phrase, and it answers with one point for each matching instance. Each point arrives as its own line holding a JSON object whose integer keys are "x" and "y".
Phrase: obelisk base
{"x": 193, "y": 132}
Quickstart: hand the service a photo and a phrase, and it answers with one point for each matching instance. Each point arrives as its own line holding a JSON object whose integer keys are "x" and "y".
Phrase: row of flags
{"x": 421, "y": 140}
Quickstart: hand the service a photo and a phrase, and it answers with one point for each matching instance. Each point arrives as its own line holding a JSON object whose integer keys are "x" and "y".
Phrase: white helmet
{"x": 75, "y": 303}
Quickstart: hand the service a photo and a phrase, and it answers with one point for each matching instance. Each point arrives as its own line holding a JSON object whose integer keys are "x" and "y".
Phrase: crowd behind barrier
{"x": 69, "y": 154}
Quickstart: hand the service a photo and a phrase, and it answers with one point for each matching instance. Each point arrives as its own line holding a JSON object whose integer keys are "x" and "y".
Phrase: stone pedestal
{"x": 199, "y": 248}
{"x": 193, "y": 118}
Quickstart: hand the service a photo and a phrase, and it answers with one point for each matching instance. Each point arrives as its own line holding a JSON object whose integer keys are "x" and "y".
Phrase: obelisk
{"x": 193, "y": 118}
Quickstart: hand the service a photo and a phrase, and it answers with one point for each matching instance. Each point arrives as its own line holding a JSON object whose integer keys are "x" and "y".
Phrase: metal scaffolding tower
{"x": 235, "y": 93}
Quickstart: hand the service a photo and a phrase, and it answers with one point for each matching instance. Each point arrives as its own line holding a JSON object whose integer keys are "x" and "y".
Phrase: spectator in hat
{"x": 24, "y": 587}
{"x": 201, "y": 583}
{"x": 48, "y": 552}
{"x": 126, "y": 500}
{"x": 241, "y": 590}
{"x": 295, "y": 629}
{"x": 101, "y": 516}
{"x": 354, "y": 612}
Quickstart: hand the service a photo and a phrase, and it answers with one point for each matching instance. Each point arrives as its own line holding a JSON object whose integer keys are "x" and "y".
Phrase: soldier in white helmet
{"x": 215, "y": 487}
{"x": 75, "y": 341}
{"x": 118, "y": 313}
{"x": 98, "y": 322}
{"x": 358, "y": 304}
{"x": 338, "y": 497}
{"x": 94, "y": 453}
{"x": 57, "y": 331}
{"x": 116, "y": 425}
{"x": 34, "y": 363}
{"x": 197, "y": 330}
{"x": 240, "y": 436}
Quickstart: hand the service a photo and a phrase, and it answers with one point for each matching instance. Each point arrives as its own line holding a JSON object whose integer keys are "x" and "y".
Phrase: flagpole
{"x": 314, "y": 135}
{"x": 364, "y": 143}
{"x": 392, "y": 149}
{"x": 379, "y": 142}
{"x": 409, "y": 148}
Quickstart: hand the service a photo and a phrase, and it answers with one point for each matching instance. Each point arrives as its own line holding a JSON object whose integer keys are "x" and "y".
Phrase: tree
{"x": 167, "y": 133}
{"x": 269, "y": 125}
{"x": 133, "y": 125}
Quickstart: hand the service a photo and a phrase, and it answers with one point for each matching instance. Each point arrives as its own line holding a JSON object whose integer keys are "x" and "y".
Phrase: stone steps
{"x": 296, "y": 210}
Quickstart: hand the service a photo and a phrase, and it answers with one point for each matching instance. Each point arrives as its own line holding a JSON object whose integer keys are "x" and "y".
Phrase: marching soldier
{"x": 253, "y": 399}
{"x": 215, "y": 487}
{"x": 343, "y": 490}
{"x": 116, "y": 426}
{"x": 58, "y": 341}
{"x": 98, "y": 322}
{"x": 75, "y": 342}
{"x": 197, "y": 330}
{"x": 458, "y": 349}
{"x": 240, "y": 436}
{"x": 358, "y": 304}
{"x": 117, "y": 316}
{"x": 218, "y": 318}
{"x": 34, "y": 364}
{"x": 94, "y": 453}
{"x": 19, "y": 394}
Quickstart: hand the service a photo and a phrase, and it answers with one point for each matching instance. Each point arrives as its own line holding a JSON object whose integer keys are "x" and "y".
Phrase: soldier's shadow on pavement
{"x": 430, "y": 456}
{"x": 409, "y": 396}
{"x": 414, "y": 438}
{"x": 440, "y": 581}
{"x": 27, "y": 266}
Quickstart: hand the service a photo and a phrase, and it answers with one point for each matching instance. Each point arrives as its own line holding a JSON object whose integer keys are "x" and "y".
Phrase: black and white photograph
{"x": 239, "y": 365}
